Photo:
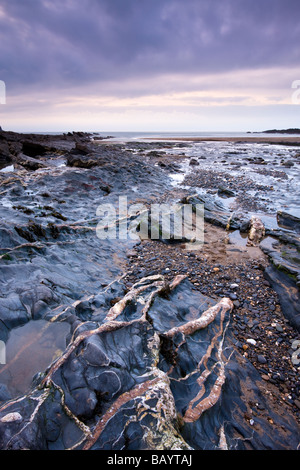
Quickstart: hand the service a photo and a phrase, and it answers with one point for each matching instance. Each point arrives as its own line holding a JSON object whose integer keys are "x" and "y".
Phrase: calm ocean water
{"x": 125, "y": 136}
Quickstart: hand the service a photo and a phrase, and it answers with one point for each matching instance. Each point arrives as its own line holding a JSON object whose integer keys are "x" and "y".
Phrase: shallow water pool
{"x": 30, "y": 349}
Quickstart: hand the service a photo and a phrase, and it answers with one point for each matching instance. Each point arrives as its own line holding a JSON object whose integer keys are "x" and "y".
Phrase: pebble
{"x": 295, "y": 358}
{"x": 265, "y": 377}
{"x": 279, "y": 328}
{"x": 261, "y": 359}
{"x": 251, "y": 341}
{"x": 297, "y": 403}
{"x": 296, "y": 344}
{"x": 259, "y": 406}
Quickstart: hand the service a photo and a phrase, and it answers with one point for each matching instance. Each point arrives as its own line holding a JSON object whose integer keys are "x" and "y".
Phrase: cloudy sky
{"x": 149, "y": 65}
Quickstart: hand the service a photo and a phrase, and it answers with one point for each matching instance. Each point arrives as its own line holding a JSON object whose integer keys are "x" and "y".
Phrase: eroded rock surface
{"x": 158, "y": 372}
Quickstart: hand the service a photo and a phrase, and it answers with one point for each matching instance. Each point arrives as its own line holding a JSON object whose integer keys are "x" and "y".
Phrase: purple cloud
{"x": 48, "y": 43}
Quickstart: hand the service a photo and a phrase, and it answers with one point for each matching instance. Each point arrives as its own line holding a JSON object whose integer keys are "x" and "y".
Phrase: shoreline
{"x": 238, "y": 140}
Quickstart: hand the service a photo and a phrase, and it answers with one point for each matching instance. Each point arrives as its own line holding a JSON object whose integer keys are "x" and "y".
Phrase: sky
{"x": 149, "y": 65}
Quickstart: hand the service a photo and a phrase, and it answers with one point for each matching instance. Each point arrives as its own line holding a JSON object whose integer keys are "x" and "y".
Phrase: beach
{"x": 117, "y": 340}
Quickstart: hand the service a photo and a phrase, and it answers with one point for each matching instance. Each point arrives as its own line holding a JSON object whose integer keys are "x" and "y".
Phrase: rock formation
{"x": 133, "y": 361}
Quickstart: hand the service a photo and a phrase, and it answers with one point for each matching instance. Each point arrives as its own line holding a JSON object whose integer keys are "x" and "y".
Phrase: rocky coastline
{"x": 294, "y": 130}
{"x": 148, "y": 344}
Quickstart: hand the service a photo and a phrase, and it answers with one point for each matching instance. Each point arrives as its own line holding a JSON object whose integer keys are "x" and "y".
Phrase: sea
{"x": 136, "y": 135}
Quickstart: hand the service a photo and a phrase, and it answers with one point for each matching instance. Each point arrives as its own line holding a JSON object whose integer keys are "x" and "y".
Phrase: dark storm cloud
{"x": 56, "y": 43}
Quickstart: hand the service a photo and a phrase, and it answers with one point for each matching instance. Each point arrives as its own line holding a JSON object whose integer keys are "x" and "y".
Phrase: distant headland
{"x": 278, "y": 131}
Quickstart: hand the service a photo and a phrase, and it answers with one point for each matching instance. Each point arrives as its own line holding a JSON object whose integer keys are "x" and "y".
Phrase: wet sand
{"x": 253, "y": 139}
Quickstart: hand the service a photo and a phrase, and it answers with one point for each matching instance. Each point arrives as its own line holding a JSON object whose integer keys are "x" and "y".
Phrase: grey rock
{"x": 261, "y": 359}
{"x": 94, "y": 353}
